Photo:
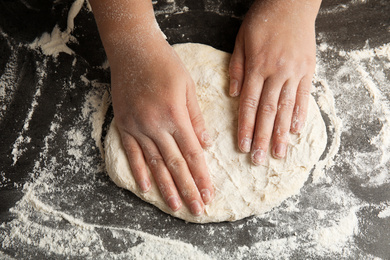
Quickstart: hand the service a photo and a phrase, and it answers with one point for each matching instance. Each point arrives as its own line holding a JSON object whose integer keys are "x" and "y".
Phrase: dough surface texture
{"x": 241, "y": 189}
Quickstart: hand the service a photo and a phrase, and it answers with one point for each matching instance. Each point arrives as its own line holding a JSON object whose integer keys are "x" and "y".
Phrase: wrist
{"x": 125, "y": 26}
{"x": 133, "y": 41}
{"x": 280, "y": 9}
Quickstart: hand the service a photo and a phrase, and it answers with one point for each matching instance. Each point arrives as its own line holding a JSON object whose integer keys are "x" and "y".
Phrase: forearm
{"x": 125, "y": 23}
{"x": 301, "y": 9}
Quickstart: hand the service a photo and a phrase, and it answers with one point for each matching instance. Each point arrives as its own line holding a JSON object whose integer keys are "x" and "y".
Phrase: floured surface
{"x": 241, "y": 189}
{"x": 54, "y": 205}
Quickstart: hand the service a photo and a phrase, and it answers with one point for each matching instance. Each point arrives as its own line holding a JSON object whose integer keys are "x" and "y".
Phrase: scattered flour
{"x": 367, "y": 67}
{"x": 18, "y": 148}
{"x": 53, "y": 43}
{"x": 323, "y": 222}
{"x": 95, "y": 108}
{"x": 81, "y": 239}
{"x": 337, "y": 235}
{"x": 7, "y": 83}
{"x": 326, "y": 102}
{"x": 361, "y": 60}
{"x": 385, "y": 213}
{"x": 56, "y": 42}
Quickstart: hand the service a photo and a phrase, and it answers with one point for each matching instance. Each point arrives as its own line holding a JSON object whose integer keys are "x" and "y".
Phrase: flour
{"x": 324, "y": 232}
{"x": 377, "y": 92}
{"x": 385, "y": 213}
{"x": 7, "y": 82}
{"x": 367, "y": 80}
{"x": 326, "y": 101}
{"x": 53, "y": 43}
{"x": 82, "y": 239}
{"x": 22, "y": 140}
{"x": 241, "y": 189}
{"x": 75, "y": 139}
{"x": 70, "y": 209}
{"x": 95, "y": 107}
{"x": 56, "y": 42}
{"x": 338, "y": 234}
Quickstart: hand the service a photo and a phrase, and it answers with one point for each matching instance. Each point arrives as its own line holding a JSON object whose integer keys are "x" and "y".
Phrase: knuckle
{"x": 130, "y": 149}
{"x": 250, "y": 103}
{"x": 147, "y": 127}
{"x": 282, "y": 62}
{"x": 155, "y": 160}
{"x": 176, "y": 163}
{"x": 188, "y": 193}
{"x": 235, "y": 68}
{"x": 175, "y": 112}
{"x": 286, "y": 70}
{"x": 261, "y": 142}
{"x": 286, "y": 104}
{"x": 194, "y": 156}
{"x": 306, "y": 66}
{"x": 257, "y": 65}
{"x": 245, "y": 129}
{"x": 268, "y": 109}
{"x": 281, "y": 134}
{"x": 303, "y": 92}
{"x": 172, "y": 111}
{"x": 197, "y": 120}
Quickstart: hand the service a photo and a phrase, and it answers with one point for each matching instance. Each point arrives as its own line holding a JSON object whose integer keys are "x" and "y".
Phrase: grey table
{"x": 57, "y": 202}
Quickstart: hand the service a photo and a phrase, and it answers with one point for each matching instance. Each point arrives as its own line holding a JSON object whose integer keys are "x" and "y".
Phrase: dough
{"x": 241, "y": 189}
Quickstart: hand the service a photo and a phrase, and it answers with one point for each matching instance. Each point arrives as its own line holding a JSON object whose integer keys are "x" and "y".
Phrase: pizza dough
{"x": 241, "y": 189}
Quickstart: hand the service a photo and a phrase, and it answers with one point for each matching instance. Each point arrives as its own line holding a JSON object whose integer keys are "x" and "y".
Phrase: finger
{"x": 283, "y": 118}
{"x": 236, "y": 68}
{"x": 249, "y": 102}
{"x": 265, "y": 119}
{"x": 193, "y": 154}
{"x": 196, "y": 118}
{"x": 161, "y": 174}
{"x": 180, "y": 172}
{"x": 137, "y": 162}
{"x": 301, "y": 105}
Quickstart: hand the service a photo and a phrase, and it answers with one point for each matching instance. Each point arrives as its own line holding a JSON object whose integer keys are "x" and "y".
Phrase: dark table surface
{"x": 56, "y": 200}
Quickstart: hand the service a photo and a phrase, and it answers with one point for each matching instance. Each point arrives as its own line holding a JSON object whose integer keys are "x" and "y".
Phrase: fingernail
{"x": 206, "y": 195}
{"x": 196, "y": 208}
{"x": 258, "y": 156}
{"x": 174, "y": 203}
{"x": 206, "y": 139}
{"x": 246, "y": 145}
{"x": 144, "y": 186}
{"x": 233, "y": 88}
{"x": 280, "y": 151}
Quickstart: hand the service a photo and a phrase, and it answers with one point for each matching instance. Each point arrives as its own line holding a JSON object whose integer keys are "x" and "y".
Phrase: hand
{"x": 160, "y": 122}
{"x": 155, "y": 104}
{"x": 271, "y": 68}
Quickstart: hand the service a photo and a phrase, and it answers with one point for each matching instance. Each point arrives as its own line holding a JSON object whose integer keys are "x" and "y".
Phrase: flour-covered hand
{"x": 155, "y": 108}
{"x": 271, "y": 69}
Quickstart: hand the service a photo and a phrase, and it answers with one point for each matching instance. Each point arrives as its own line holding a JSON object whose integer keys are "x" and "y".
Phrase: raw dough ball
{"x": 241, "y": 189}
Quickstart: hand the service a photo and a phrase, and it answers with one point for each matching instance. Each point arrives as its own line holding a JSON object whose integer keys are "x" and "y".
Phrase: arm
{"x": 155, "y": 105}
{"x": 271, "y": 69}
